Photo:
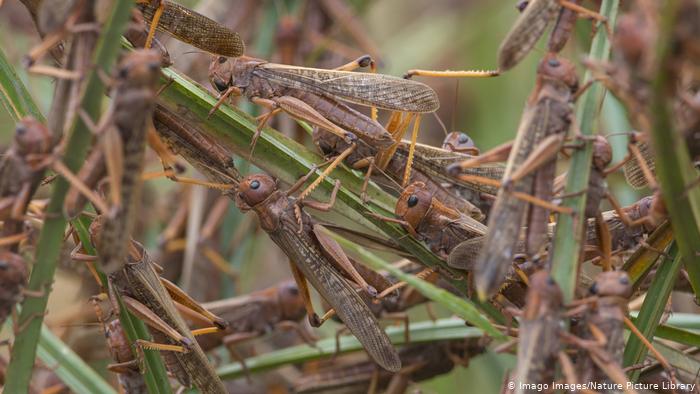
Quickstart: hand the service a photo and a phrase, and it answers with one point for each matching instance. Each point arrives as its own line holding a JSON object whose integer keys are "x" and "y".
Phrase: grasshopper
{"x": 422, "y": 362}
{"x": 532, "y": 23}
{"x": 606, "y": 316}
{"x": 546, "y": 120}
{"x": 13, "y": 278}
{"x": 21, "y": 170}
{"x": 153, "y": 300}
{"x": 315, "y": 257}
{"x": 427, "y": 219}
{"x": 126, "y": 366}
{"x": 123, "y": 133}
{"x": 255, "y": 314}
{"x": 316, "y": 95}
{"x": 538, "y": 333}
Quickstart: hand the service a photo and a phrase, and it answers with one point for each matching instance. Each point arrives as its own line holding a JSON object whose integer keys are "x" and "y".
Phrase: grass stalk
{"x": 570, "y": 232}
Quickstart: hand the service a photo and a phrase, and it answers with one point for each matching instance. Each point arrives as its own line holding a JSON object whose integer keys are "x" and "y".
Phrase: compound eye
{"x": 412, "y": 201}
{"x": 463, "y": 139}
{"x": 20, "y": 129}
{"x": 220, "y": 86}
{"x": 255, "y": 185}
{"x": 624, "y": 280}
{"x": 550, "y": 281}
{"x": 222, "y": 59}
{"x": 594, "y": 289}
{"x": 553, "y": 63}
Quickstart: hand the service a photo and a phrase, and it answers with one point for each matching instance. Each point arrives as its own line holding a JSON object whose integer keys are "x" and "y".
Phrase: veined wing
{"x": 378, "y": 90}
{"x": 467, "y": 226}
{"x": 434, "y": 161}
{"x": 526, "y": 31}
{"x": 195, "y": 29}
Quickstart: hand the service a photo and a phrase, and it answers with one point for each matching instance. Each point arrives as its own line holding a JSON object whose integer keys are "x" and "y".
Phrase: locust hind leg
{"x": 183, "y": 298}
{"x": 341, "y": 260}
{"x": 303, "y": 286}
{"x": 155, "y": 322}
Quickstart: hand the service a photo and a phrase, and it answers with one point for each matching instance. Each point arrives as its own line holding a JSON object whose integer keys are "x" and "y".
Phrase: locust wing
{"x": 526, "y": 32}
{"x": 367, "y": 89}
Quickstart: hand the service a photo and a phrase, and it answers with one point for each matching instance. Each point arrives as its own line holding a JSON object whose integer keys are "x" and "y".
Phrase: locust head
{"x": 457, "y": 141}
{"x": 602, "y": 153}
{"x": 559, "y": 71}
{"x": 414, "y": 203}
{"x": 290, "y": 301}
{"x": 227, "y": 72}
{"x": 31, "y": 137}
{"x": 140, "y": 68}
{"x": 612, "y": 284}
{"x": 253, "y": 190}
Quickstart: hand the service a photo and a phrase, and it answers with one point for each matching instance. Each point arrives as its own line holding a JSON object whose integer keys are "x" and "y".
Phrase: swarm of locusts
{"x": 524, "y": 247}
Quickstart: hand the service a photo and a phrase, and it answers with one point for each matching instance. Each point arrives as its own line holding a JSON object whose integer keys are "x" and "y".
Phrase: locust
{"x": 538, "y": 333}
{"x": 119, "y": 346}
{"x": 21, "y": 169}
{"x": 13, "y": 278}
{"x": 316, "y": 257}
{"x": 431, "y": 221}
{"x": 317, "y": 95}
{"x": 154, "y": 301}
{"x": 600, "y": 331}
{"x": 120, "y": 152}
{"x": 249, "y": 316}
{"x": 422, "y": 362}
{"x": 532, "y": 23}
{"x": 543, "y": 126}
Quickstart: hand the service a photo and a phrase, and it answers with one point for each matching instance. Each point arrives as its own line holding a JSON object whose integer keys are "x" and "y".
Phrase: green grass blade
{"x": 461, "y": 307}
{"x": 643, "y": 259}
{"x": 569, "y": 234}
{"x": 69, "y": 367}
{"x": 14, "y": 95}
{"x": 51, "y": 237}
{"x": 422, "y": 332}
{"x": 653, "y": 308}
{"x": 674, "y": 167}
{"x": 678, "y": 359}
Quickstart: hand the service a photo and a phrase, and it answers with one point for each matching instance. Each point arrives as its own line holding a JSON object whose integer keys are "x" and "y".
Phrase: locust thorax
{"x": 254, "y": 189}
{"x": 457, "y": 141}
{"x": 290, "y": 301}
{"x": 138, "y": 69}
{"x": 612, "y": 284}
{"x": 414, "y": 203}
{"x": 602, "y": 153}
{"x": 543, "y": 297}
{"x": 557, "y": 71}
{"x": 31, "y": 137}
